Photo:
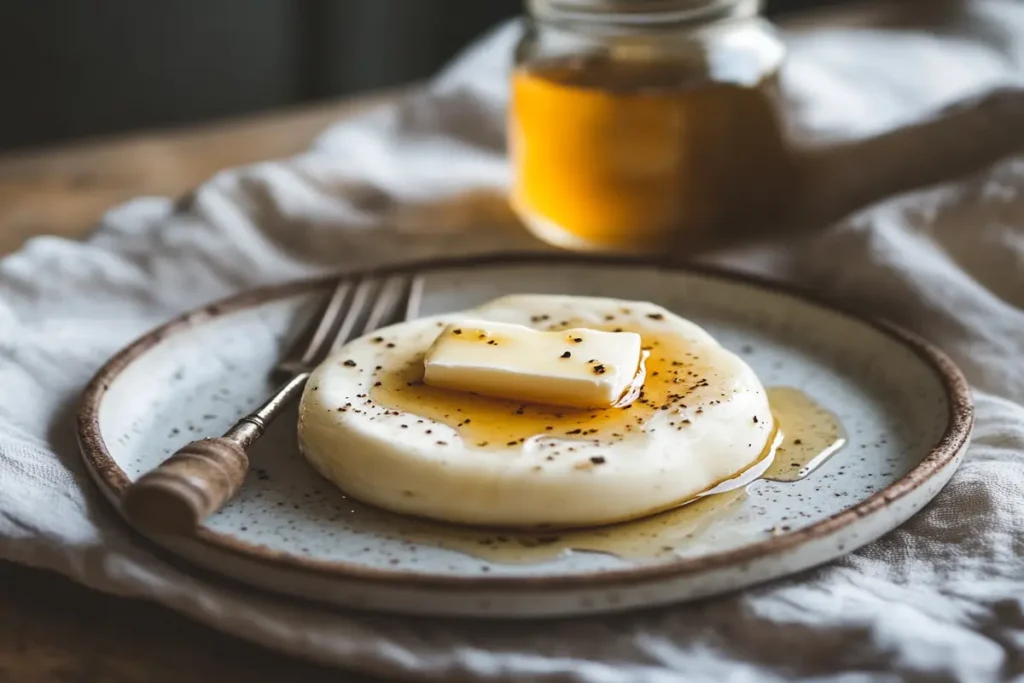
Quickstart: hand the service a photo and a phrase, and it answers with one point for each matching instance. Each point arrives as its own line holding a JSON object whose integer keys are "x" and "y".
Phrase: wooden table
{"x": 50, "y": 628}
{"x": 64, "y": 190}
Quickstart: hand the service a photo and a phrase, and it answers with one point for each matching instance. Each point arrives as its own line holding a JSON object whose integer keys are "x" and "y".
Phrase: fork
{"x": 200, "y": 478}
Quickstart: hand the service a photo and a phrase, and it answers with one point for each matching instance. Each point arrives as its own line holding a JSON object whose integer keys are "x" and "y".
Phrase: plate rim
{"x": 107, "y": 473}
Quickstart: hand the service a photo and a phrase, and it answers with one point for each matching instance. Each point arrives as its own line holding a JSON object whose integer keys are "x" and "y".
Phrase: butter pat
{"x": 581, "y": 368}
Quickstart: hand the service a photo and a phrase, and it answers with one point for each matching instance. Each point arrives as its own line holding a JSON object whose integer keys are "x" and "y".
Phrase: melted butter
{"x": 812, "y": 434}
{"x": 676, "y": 380}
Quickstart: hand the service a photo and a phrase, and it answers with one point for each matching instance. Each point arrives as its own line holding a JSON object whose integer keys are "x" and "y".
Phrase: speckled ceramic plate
{"x": 905, "y": 407}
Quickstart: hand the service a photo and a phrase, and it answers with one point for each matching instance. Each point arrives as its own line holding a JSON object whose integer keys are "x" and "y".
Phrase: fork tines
{"x": 356, "y": 306}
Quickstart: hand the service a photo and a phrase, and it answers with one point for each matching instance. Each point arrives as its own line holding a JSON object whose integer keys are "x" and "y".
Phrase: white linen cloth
{"x": 940, "y": 599}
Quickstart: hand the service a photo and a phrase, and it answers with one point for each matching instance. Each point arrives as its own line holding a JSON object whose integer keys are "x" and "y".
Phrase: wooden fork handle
{"x": 202, "y": 476}
{"x": 188, "y": 487}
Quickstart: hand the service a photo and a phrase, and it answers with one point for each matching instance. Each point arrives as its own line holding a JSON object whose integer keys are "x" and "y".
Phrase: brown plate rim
{"x": 954, "y": 438}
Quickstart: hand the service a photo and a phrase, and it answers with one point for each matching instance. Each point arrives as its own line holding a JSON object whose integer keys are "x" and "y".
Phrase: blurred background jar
{"x": 636, "y": 125}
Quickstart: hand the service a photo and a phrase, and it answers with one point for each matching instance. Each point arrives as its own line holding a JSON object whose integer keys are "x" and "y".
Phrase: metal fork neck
{"x": 252, "y": 426}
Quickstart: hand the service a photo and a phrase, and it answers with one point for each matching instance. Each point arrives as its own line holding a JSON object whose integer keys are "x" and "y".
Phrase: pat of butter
{"x": 581, "y": 368}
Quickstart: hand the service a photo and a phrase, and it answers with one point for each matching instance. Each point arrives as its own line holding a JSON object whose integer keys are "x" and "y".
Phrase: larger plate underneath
{"x": 905, "y": 407}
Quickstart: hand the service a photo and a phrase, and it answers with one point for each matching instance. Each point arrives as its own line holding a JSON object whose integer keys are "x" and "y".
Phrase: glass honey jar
{"x": 639, "y": 124}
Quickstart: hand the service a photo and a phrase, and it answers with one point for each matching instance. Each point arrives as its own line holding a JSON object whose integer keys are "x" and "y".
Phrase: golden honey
{"x": 640, "y": 155}
{"x": 673, "y": 373}
{"x": 643, "y": 539}
{"x": 811, "y": 434}
{"x": 808, "y": 435}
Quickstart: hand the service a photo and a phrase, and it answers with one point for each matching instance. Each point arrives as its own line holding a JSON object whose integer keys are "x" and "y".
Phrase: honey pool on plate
{"x": 810, "y": 435}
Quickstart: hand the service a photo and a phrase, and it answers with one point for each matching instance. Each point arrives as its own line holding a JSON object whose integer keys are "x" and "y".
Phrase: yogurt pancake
{"x": 700, "y": 421}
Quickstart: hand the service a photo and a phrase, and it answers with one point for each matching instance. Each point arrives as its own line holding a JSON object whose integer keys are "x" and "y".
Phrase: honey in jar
{"x": 636, "y": 124}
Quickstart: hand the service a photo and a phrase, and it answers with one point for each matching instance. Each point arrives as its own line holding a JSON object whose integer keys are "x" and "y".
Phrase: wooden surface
{"x": 55, "y": 631}
{"x": 64, "y": 190}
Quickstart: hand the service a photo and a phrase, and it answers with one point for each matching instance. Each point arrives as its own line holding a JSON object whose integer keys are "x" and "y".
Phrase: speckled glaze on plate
{"x": 905, "y": 406}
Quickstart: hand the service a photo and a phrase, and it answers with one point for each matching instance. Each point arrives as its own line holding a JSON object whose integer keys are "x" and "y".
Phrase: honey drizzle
{"x": 676, "y": 380}
{"x": 643, "y": 539}
{"x": 812, "y": 435}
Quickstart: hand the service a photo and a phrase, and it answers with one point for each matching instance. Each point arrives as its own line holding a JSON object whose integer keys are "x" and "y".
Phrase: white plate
{"x": 905, "y": 407}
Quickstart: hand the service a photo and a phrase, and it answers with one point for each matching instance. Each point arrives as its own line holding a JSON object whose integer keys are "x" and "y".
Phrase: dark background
{"x": 72, "y": 68}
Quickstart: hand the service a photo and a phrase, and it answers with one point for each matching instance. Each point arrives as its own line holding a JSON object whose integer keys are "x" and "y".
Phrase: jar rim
{"x": 641, "y": 12}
